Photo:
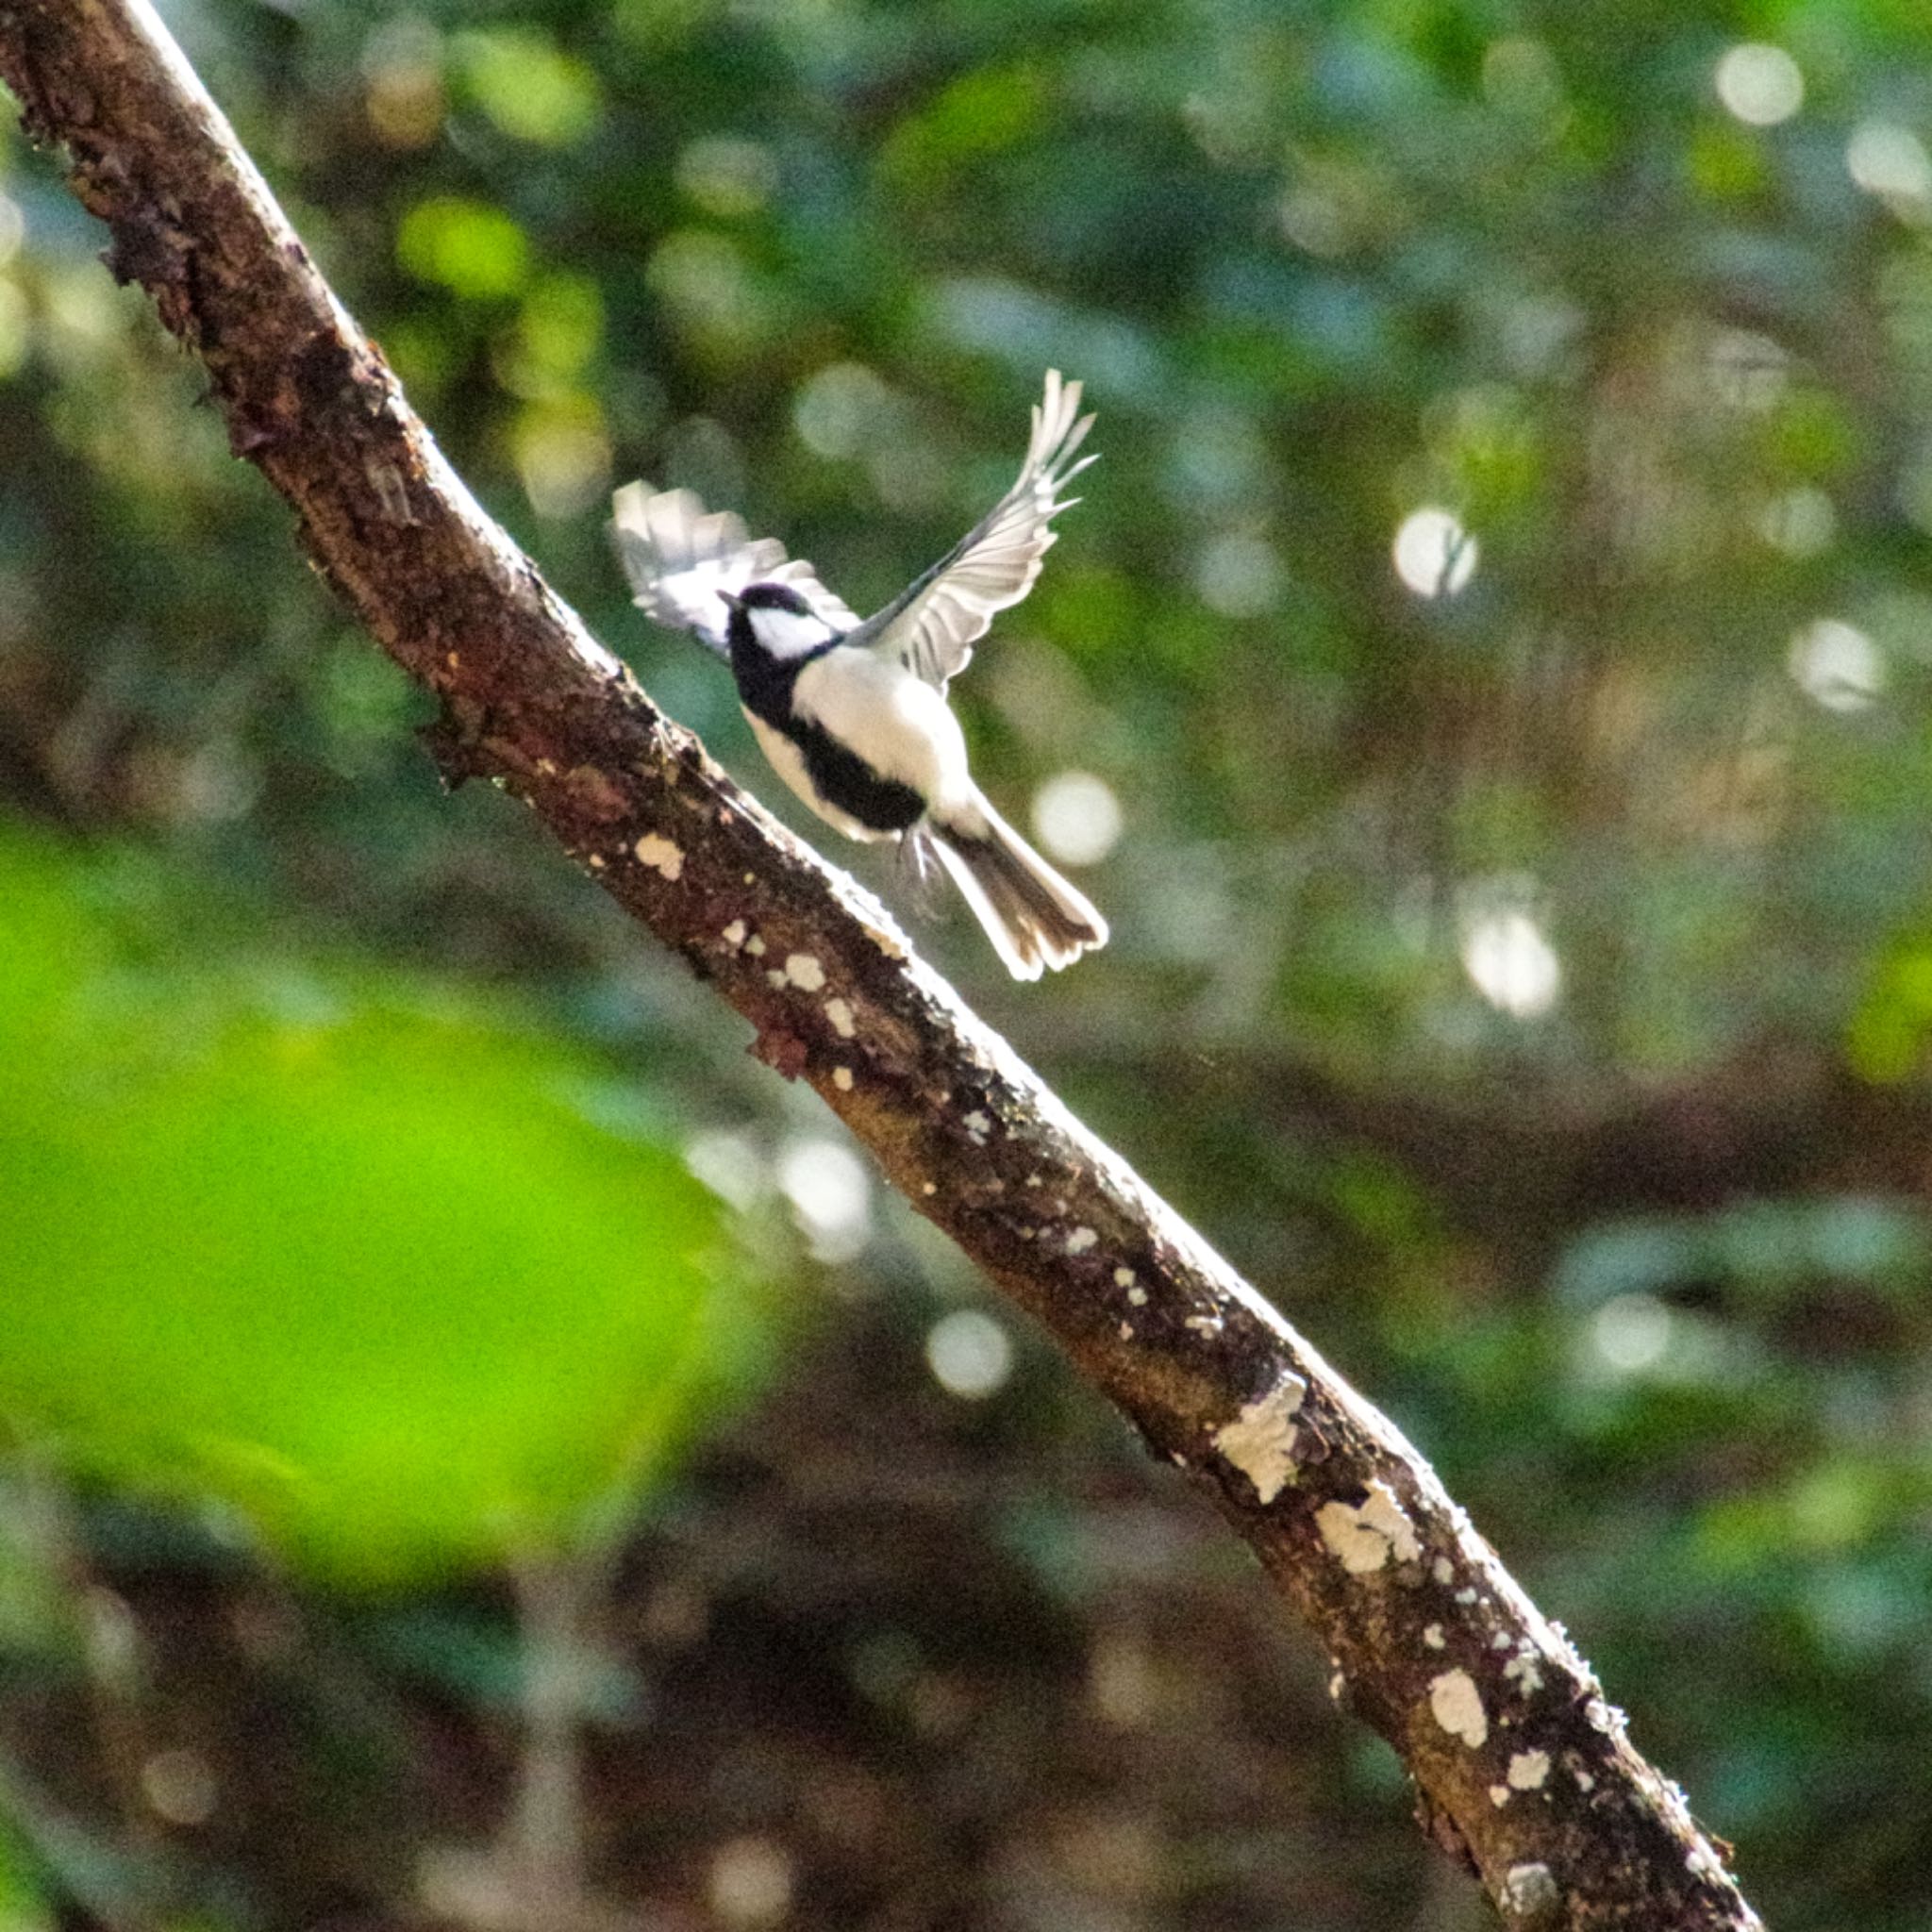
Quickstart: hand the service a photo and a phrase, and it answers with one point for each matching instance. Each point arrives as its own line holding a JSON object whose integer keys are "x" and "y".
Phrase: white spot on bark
{"x": 804, "y": 971}
{"x": 1523, "y": 1670}
{"x": 1137, "y": 1296}
{"x": 1528, "y": 1770}
{"x": 928, "y": 1187}
{"x": 1585, "y": 1781}
{"x": 1434, "y": 1638}
{"x": 1457, "y": 1704}
{"x": 1364, "y": 1536}
{"x": 840, "y": 1013}
{"x": 1357, "y": 1550}
{"x": 1081, "y": 1240}
{"x": 1261, "y": 1441}
{"x": 1466, "y": 1595}
{"x": 1443, "y": 1570}
{"x": 1529, "y": 1891}
{"x": 1383, "y": 1512}
{"x": 1499, "y": 1796}
{"x": 842, "y": 1079}
{"x": 755, "y": 947}
{"x": 733, "y": 934}
{"x": 661, "y": 854}
{"x": 1127, "y": 1331}
{"x": 595, "y": 862}
{"x": 1501, "y": 1640}
{"x": 1202, "y": 1324}
{"x": 775, "y": 976}
{"x": 978, "y": 1127}
{"x": 1124, "y": 1277}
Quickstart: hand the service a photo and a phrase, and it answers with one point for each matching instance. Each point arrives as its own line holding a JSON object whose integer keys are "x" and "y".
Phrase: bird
{"x": 853, "y": 715}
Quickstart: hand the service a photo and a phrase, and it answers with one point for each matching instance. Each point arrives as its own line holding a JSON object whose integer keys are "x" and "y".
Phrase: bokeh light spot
{"x": 1760, "y": 83}
{"x": 179, "y": 1785}
{"x": 1801, "y": 523}
{"x": 751, "y": 1883}
{"x": 469, "y": 246}
{"x": 1512, "y": 963}
{"x": 1239, "y": 576}
{"x": 1837, "y": 665}
{"x": 728, "y": 1163}
{"x": 839, "y": 410}
{"x": 831, "y": 1192}
{"x": 1891, "y": 161}
{"x": 1434, "y": 554}
{"x": 970, "y": 1354}
{"x": 563, "y": 460}
{"x": 1631, "y": 1333}
{"x": 1077, "y": 818}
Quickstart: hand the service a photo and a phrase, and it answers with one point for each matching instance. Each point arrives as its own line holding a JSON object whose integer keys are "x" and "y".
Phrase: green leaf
{"x": 980, "y": 113}
{"x": 373, "y": 1270}
{"x": 23, "y": 1906}
{"x": 529, "y": 87}
{"x": 473, "y": 249}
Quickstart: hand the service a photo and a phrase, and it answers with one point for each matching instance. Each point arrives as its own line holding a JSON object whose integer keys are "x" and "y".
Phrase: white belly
{"x": 896, "y": 722}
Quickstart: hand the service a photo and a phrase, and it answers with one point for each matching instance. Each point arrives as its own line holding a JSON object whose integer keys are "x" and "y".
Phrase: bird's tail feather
{"x": 1033, "y": 916}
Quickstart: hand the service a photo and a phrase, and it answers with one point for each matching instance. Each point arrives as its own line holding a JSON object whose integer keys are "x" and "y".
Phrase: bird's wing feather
{"x": 932, "y": 626}
{"x": 679, "y": 557}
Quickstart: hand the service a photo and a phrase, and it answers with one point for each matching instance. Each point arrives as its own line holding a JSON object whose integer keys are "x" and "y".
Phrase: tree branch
{"x": 1523, "y": 1764}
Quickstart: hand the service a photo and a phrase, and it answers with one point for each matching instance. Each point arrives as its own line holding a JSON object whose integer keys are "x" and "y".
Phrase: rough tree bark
{"x": 1522, "y": 1765}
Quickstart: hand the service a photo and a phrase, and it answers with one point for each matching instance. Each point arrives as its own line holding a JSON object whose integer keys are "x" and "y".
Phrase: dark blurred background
{"x": 478, "y": 1451}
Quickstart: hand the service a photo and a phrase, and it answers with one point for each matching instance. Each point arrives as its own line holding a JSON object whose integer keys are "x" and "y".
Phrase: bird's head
{"x": 774, "y": 620}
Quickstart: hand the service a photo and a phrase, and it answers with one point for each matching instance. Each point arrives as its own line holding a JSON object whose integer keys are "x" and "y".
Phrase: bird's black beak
{"x": 732, "y": 600}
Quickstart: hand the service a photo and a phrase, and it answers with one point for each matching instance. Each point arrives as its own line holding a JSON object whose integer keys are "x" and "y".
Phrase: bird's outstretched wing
{"x": 679, "y": 557}
{"x": 933, "y": 625}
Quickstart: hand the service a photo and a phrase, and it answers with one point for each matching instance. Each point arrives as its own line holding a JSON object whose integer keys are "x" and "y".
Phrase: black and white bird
{"x": 852, "y": 714}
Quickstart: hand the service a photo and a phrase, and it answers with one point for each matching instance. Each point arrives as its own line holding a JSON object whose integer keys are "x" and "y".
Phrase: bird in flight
{"x": 852, "y": 713}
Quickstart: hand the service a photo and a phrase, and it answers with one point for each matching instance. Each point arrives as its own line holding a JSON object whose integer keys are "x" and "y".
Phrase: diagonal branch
{"x": 1521, "y": 1763}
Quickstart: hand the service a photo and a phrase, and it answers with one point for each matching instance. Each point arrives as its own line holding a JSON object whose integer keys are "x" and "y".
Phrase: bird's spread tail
{"x": 1033, "y": 916}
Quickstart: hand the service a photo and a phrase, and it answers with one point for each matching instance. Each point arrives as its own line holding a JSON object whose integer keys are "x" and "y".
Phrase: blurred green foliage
{"x": 401, "y": 1283}
{"x": 1503, "y": 619}
{"x": 21, "y": 1907}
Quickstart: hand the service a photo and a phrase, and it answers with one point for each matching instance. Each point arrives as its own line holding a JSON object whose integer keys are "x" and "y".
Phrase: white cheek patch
{"x": 785, "y": 634}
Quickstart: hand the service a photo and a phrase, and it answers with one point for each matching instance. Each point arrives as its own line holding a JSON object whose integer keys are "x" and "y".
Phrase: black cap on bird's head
{"x": 774, "y": 624}
{"x": 768, "y": 597}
